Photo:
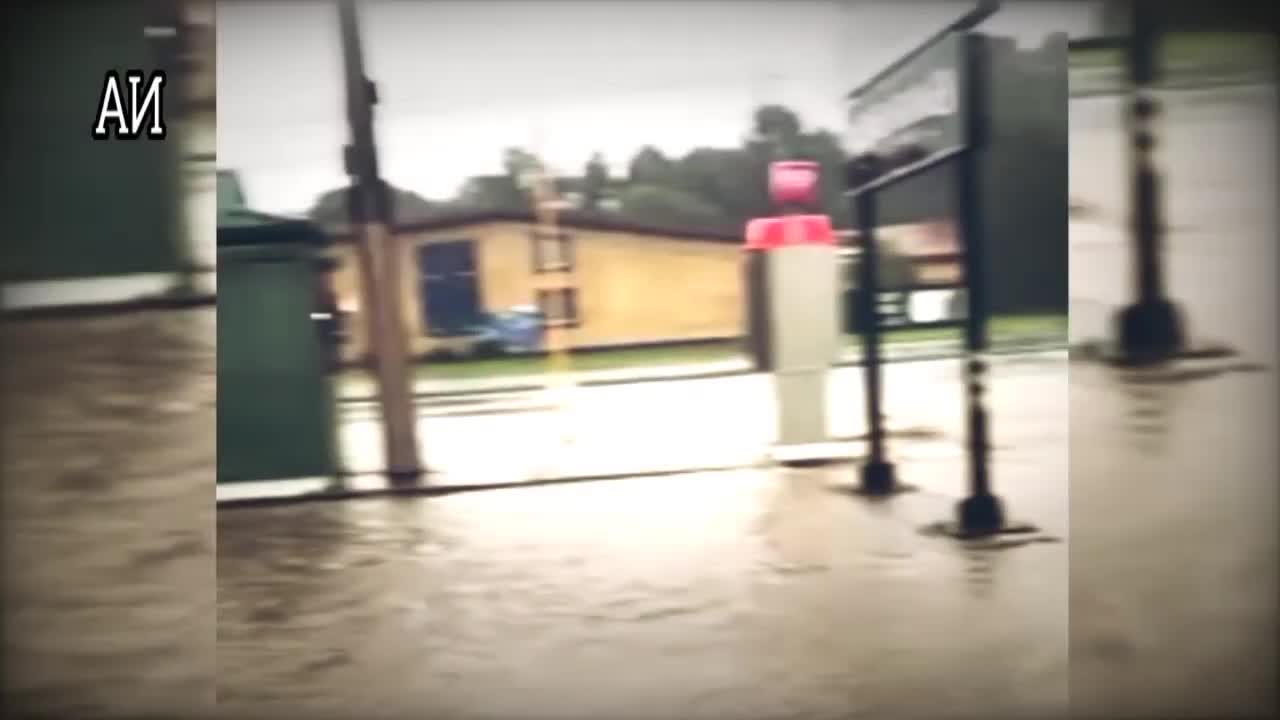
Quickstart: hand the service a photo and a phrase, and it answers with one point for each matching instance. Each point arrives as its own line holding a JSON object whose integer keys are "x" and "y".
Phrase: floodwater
{"x": 751, "y": 593}
{"x": 1173, "y": 480}
{"x": 748, "y": 593}
{"x": 108, "y": 462}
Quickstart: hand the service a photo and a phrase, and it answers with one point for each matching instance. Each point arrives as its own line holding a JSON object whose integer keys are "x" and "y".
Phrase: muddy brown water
{"x": 750, "y": 593}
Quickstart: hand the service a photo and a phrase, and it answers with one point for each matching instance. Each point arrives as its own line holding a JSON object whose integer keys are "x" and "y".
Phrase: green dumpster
{"x": 83, "y": 208}
{"x": 275, "y": 399}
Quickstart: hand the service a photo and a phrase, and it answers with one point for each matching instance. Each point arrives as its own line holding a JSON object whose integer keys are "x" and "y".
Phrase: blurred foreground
{"x": 108, "y": 466}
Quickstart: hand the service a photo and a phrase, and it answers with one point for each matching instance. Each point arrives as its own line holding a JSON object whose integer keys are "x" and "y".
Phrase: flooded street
{"x": 108, "y": 463}
{"x": 1173, "y": 482}
{"x": 745, "y": 593}
{"x": 749, "y": 593}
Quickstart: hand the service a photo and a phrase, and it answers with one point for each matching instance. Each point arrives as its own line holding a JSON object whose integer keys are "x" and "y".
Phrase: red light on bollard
{"x": 794, "y": 183}
{"x": 776, "y": 232}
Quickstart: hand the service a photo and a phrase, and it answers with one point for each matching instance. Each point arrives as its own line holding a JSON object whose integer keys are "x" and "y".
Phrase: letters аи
{"x": 143, "y": 114}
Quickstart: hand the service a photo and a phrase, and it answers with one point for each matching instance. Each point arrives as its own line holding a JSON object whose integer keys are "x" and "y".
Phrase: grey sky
{"x": 460, "y": 81}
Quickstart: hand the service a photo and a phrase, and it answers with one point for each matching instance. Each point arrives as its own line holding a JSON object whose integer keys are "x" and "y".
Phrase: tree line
{"x": 722, "y": 188}
{"x": 707, "y": 188}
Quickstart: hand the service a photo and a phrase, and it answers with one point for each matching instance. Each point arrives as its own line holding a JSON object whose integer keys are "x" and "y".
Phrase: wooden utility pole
{"x": 380, "y": 260}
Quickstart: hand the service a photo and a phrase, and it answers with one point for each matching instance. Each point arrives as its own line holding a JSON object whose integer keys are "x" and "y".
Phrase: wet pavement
{"x": 108, "y": 463}
{"x": 750, "y": 593}
{"x": 1174, "y": 472}
{"x": 647, "y": 427}
{"x": 762, "y": 593}
{"x": 746, "y": 593}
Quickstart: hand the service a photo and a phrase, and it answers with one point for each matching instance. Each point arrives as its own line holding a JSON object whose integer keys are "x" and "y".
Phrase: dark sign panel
{"x": 918, "y": 103}
{"x": 921, "y": 198}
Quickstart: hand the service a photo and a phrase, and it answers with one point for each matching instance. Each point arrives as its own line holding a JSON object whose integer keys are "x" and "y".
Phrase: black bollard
{"x": 1151, "y": 328}
{"x": 877, "y": 473}
{"x": 981, "y": 513}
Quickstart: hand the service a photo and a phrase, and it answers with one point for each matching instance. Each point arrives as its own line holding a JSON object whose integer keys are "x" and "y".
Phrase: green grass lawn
{"x": 1002, "y": 328}
{"x": 1244, "y": 51}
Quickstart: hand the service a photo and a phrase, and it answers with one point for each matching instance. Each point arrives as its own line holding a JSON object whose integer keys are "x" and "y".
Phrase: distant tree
{"x": 651, "y": 167}
{"x": 724, "y": 186}
{"x": 518, "y": 163}
{"x": 779, "y": 127}
{"x": 595, "y": 179}
{"x": 496, "y": 192}
{"x": 671, "y": 206}
{"x": 331, "y": 210}
{"x": 506, "y": 191}
{"x": 736, "y": 179}
{"x": 726, "y": 179}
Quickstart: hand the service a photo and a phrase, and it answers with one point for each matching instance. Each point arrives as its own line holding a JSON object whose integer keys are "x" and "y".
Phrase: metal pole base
{"x": 1150, "y": 331}
{"x": 405, "y": 478}
{"x": 980, "y": 515}
{"x": 878, "y": 478}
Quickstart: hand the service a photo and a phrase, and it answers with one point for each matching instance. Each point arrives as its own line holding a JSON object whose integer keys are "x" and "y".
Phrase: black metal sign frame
{"x": 963, "y": 139}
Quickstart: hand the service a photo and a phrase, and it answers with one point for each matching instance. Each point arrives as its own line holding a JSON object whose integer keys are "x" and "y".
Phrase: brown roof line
{"x": 576, "y": 220}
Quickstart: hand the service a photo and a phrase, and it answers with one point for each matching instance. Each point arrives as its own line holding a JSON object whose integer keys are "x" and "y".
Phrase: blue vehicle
{"x": 520, "y": 329}
{"x": 509, "y": 332}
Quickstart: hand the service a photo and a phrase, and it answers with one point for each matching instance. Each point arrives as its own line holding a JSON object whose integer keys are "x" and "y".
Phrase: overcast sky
{"x": 460, "y": 81}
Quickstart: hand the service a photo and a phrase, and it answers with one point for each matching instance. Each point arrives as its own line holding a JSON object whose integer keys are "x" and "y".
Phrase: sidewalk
{"x": 629, "y": 429}
{"x": 362, "y": 389}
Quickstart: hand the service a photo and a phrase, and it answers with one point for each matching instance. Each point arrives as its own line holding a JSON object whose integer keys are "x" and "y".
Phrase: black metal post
{"x": 371, "y": 214}
{"x": 877, "y": 472}
{"x": 1151, "y": 328}
{"x": 981, "y": 513}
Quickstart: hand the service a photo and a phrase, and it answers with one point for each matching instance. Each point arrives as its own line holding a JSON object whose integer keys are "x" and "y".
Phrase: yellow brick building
{"x": 628, "y": 284}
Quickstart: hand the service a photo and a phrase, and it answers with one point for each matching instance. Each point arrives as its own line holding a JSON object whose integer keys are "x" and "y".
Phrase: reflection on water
{"x": 1150, "y": 410}
{"x": 1220, "y": 214}
{"x": 1173, "y": 470}
{"x": 108, "y": 463}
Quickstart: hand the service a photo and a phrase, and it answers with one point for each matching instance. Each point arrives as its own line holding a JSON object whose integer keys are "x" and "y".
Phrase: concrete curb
{"x": 427, "y": 491}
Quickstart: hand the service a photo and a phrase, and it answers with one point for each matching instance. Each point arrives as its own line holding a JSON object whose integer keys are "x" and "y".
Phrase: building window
{"x": 552, "y": 251}
{"x": 448, "y": 288}
{"x": 559, "y": 306}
